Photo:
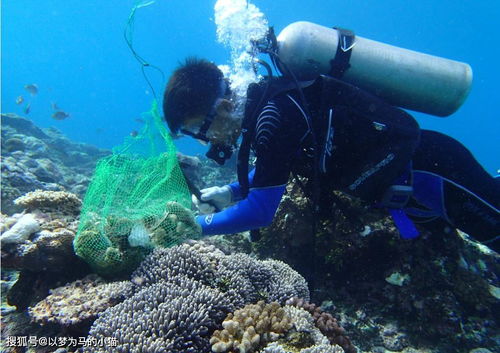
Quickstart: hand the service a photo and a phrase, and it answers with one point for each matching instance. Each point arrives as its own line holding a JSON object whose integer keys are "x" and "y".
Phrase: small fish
{"x": 54, "y": 106}
{"x": 140, "y": 120}
{"x": 60, "y": 115}
{"x": 27, "y": 108}
{"x": 19, "y": 100}
{"x": 99, "y": 130}
{"x": 134, "y": 133}
{"x": 31, "y": 88}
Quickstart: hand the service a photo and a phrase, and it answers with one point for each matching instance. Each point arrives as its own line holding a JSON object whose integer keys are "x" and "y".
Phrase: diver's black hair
{"x": 191, "y": 90}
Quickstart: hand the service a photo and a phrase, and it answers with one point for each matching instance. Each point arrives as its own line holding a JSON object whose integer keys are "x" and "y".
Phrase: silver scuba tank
{"x": 401, "y": 77}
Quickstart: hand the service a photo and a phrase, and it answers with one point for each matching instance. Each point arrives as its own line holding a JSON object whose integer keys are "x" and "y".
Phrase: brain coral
{"x": 250, "y": 327}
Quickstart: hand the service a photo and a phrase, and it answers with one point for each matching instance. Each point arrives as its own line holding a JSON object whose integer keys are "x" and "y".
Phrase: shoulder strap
{"x": 257, "y": 95}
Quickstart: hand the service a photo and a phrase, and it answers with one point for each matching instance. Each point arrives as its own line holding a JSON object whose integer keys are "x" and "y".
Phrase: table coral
{"x": 79, "y": 301}
{"x": 44, "y": 200}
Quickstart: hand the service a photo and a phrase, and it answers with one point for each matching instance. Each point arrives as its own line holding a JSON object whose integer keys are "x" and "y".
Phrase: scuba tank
{"x": 401, "y": 77}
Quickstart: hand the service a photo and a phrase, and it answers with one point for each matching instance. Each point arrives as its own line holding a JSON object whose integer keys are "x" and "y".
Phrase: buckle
{"x": 397, "y": 196}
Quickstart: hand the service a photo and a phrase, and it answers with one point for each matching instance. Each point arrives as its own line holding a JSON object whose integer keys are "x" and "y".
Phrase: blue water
{"x": 75, "y": 52}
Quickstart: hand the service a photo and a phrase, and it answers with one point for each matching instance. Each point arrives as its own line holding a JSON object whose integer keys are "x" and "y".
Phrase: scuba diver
{"x": 339, "y": 137}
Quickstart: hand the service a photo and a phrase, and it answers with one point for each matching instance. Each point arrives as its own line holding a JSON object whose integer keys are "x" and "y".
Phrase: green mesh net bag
{"x": 137, "y": 200}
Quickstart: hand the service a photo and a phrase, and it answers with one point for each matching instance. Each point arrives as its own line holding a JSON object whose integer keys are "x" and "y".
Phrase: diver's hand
{"x": 219, "y": 197}
{"x": 203, "y": 207}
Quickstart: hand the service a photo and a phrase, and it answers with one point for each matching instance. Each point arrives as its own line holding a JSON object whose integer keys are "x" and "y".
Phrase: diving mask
{"x": 219, "y": 152}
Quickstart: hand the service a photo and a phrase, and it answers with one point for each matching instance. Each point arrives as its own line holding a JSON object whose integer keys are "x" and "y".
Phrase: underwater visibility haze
{"x": 104, "y": 247}
{"x": 76, "y": 54}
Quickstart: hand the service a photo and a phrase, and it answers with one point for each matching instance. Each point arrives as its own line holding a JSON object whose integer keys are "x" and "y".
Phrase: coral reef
{"x": 320, "y": 348}
{"x": 304, "y": 325}
{"x": 34, "y": 158}
{"x": 39, "y": 245}
{"x": 194, "y": 261}
{"x": 327, "y": 324}
{"x": 79, "y": 302}
{"x": 254, "y": 280}
{"x": 249, "y": 327}
{"x": 175, "y": 315}
{"x": 249, "y": 278}
{"x": 39, "y": 240}
{"x": 43, "y": 200}
{"x": 447, "y": 280}
{"x": 180, "y": 299}
{"x": 7, "y": 281}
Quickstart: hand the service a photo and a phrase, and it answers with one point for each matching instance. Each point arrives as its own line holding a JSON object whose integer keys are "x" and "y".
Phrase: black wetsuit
{"x": 365, "y": 146}
{"x": 369, "y": 154}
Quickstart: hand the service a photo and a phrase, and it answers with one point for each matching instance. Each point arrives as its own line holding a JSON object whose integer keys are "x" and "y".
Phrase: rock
{"x": 35, "y": 158}
{"x": 393, "y": 340}
{"x": 14, "y": 144}
{"x": 22, "y": 125}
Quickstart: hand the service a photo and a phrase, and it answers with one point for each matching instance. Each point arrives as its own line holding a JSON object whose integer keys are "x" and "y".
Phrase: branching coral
{"x": 175, "y": 315}
{"x": 184, "y": 259}
{"x": 182, "y": 294}
{"x": 248, "y": 278}
{"x": 254, "y": 280}
{"x": 250, "y": 327}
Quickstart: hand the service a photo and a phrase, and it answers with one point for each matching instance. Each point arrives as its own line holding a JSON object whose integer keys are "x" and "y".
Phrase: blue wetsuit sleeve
{"x": 236, "y": 188}
{"x": 256, "y": 211}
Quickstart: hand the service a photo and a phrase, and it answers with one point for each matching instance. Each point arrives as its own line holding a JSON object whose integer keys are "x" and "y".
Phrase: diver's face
{"x": 224, "y": 129}
{"x": 225, "y": 126}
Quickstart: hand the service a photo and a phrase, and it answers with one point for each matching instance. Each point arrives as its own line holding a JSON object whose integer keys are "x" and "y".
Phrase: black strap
{"x": 195, "y": 191}
{"x": 340, "y": 63}
{"x": 249, "y": 121}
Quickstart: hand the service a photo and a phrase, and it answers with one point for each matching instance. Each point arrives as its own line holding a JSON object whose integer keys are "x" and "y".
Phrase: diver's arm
{"x": 236, "y": 188}
{"x": 276, "y": 145}
{"x": 256, "y": 211}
